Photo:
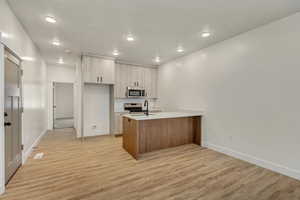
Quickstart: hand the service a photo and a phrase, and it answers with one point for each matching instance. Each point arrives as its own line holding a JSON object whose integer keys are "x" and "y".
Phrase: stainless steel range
{"x": 133, "y": 107}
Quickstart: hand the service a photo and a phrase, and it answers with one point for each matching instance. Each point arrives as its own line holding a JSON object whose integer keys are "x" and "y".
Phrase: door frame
{"x": 2, "y": 130}
{"x": 51, "y": 102}
{"x": 4, "y": 48}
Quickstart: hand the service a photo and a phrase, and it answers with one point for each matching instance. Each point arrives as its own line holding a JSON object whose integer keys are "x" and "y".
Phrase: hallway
{"x": 99, "y": 168}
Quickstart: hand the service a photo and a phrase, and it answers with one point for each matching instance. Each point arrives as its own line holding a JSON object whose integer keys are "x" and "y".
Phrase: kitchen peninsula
{"x": 146, "y": 133}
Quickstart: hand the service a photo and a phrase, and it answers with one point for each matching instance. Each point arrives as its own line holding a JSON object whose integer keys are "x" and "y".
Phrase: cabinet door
{"x": 133, "y": 75}
{"x": 118, "y": 129}
{"x": 125, "y": 81}
{"x": 116, "y": 126}
{"x": 122, "y": 80}
{"x": 94, "y": 70}
{"x": 98, "y": 70}
{"x": 117, "y": 86}
{"x": 89, "y": 70}
{"x": 147, "y": 82}
{"x": 137, "y": 77}
{"x": 121, "y": 124}
{"x": 151, "y": 82}
{"x": 107, "y": 71}
{"x": 154, "y": 83}
{"x": 141, "y": 77}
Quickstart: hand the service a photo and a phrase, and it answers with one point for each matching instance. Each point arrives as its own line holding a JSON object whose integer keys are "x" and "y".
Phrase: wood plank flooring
{"x": 99, "y": 169}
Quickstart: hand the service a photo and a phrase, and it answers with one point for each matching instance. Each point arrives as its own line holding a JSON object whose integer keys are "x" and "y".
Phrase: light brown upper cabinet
{"x": 132, "y": 76}
{"x": 99, "y": 71}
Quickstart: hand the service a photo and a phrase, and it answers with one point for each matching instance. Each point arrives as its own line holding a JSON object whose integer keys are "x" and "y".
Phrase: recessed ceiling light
{"x": 56, "y": 43}
{"x": 50, "y": 19}
{"x": 116, "y": 52}
{"x": 61, "y": 61}
{"x": 5, "y": 35}
{"x": 180, "y": 49}
{"x": 26, "y": 58}
{"x": 157, "y": 59}
{"x": 205, "y": 34}
{"x": 130, "y": 38}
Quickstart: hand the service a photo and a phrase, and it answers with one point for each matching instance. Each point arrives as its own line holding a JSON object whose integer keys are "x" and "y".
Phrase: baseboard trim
{"x": 254, "y": 160}
{"x": 26, "y": 154}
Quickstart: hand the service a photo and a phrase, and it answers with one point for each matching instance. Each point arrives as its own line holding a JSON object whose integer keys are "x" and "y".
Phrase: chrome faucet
{"x": 146, "y": 103}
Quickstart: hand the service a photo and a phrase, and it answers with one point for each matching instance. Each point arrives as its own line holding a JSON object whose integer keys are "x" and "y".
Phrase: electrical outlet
{"x": 94, "y": 126}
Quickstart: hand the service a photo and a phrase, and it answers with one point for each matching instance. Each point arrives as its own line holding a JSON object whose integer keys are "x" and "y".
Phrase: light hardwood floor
{"x": 99, "y": 169}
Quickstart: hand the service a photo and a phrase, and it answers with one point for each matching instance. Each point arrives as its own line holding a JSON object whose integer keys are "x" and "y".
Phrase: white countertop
{"x": 162, "y": 115}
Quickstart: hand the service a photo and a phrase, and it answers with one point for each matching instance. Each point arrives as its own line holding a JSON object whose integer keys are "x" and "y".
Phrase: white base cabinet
{"x": 118, "y": 125}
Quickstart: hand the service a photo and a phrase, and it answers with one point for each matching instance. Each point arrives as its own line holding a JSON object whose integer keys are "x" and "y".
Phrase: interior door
{"x": 12, "y": 116}
{"x": 63, "y": 105}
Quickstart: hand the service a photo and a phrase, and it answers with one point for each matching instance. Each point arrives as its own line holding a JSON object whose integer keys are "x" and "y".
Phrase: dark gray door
{"x": 13, "y": 136}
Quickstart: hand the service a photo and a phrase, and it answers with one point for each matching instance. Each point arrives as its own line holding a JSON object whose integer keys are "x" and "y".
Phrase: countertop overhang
{"x": 164, "y": 115}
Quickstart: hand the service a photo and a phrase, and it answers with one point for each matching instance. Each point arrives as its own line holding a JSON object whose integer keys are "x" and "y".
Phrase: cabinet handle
{"x": 97, "y": 79}
{"x": 101, "y": 79}
{"x": 138, "y": 83}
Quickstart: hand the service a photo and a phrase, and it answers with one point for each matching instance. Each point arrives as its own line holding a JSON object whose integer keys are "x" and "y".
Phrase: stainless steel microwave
{"x": 135, "y": 92}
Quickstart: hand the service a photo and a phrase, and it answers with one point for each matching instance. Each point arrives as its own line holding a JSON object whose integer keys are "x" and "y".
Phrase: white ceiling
{"x": 99, "y": 26}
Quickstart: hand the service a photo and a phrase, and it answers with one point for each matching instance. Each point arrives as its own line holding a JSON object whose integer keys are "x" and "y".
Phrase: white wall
{"x": 61, "y": 74}
{"x": 34, "y": 79}
{"x": 248, "y": 87}
{"x": 64, "y": 100}
{"x": 96, "y": 110}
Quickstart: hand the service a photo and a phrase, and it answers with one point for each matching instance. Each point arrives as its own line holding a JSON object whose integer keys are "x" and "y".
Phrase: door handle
{"x": 7, "y": 124}
{"x": 5, "y": 114}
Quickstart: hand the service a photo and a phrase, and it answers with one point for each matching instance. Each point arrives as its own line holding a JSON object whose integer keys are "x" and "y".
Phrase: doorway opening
{"x": 63, "y": 105}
